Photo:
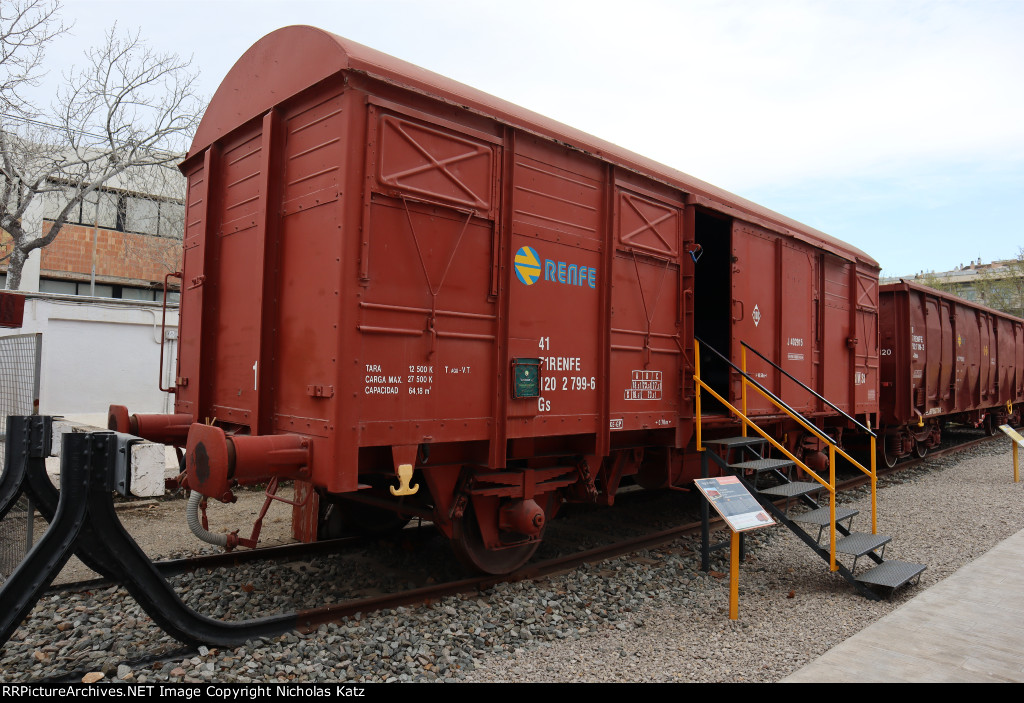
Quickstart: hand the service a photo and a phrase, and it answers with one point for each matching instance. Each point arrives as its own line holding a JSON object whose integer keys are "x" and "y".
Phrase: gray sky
{"x": 895, "y": 125}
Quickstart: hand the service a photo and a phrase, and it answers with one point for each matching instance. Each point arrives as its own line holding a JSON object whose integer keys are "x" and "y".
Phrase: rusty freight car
{"x": 415, "y": 299}
{"x": 944, "y": 359}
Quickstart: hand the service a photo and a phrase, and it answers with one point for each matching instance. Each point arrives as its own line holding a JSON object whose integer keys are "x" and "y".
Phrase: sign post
{"x": 1018, "y": 441}
{"x": 741, "y": 513}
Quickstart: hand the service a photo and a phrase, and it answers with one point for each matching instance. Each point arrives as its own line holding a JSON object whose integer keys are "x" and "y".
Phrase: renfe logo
{"x": 527, "y": 265}
{"x": 528, "y": 268}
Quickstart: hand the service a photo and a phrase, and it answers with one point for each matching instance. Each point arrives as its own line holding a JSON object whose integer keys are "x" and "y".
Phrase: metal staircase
{"x": 769, "y": 479}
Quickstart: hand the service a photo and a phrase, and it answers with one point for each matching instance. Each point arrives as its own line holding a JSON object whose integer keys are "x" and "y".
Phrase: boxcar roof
{"x": 290, "y": 60}
{"x": 905, "y": 285}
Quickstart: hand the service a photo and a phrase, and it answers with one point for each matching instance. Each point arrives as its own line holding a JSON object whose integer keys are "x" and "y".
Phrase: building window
{"x": 122, "y": 212}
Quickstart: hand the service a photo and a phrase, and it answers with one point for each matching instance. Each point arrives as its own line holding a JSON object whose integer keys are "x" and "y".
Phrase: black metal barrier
{"x": 83, "y": 522}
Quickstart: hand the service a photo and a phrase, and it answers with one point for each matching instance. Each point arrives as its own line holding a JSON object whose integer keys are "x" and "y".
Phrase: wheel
{"x": 920, "y": 450}
{"x": 990, "y": 425}
{"x": 888, "y": 458}
{"x": 468, "y": 545}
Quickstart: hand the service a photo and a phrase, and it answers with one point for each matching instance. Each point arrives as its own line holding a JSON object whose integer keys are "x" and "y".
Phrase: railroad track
{"x": 580, "y": 529}
{"x": 536, "y": 569}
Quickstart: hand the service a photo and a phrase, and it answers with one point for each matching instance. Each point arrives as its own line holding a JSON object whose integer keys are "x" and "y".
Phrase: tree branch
{"x": 122, "y": 118}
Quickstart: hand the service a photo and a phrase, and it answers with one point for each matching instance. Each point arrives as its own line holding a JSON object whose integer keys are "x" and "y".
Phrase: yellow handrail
{"x": 799, "y": 419}
{"x": 833, "y": 447}
{"x": 829, "y": 485}
{"x": 811, "y": 428}
{"x": 771, "y": 440}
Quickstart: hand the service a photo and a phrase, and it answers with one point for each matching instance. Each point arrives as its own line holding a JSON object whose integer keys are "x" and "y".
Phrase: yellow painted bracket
{"x": 404, "y": 476}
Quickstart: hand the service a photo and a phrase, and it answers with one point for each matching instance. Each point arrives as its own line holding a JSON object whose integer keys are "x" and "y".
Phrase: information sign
{"x": 1012, "y": 434}
{"x": 733, "y": 502}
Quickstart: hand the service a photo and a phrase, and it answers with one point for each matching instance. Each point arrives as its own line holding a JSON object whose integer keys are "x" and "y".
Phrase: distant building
{"x": 999, "y": 284}
{"x": 117, "y": 244}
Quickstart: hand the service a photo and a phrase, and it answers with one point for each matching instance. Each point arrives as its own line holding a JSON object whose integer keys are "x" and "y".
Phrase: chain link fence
{"x": 19, "y": 395}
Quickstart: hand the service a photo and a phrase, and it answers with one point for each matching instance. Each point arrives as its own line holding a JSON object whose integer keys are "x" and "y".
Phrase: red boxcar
{"x": 396, "y": 283}
{"x": 944, "y": 358}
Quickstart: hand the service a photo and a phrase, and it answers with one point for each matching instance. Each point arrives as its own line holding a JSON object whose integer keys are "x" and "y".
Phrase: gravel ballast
{"x": 651, "y": 616}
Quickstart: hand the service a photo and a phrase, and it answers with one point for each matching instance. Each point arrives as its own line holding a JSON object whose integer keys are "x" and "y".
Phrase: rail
{"x": 807, "y": 388}
{"x": 833, "y": 448}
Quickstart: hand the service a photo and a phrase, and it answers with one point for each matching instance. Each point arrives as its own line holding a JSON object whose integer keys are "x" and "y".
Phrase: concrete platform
{"x": 967, "y": 628}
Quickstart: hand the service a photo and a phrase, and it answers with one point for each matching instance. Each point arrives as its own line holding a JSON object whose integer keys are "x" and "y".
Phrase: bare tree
{"x": 26, "y": 28}
{"x": 127, "y": 115}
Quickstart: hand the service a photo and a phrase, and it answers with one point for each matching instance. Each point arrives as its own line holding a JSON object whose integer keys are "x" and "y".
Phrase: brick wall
{"x": 119, "y": 255}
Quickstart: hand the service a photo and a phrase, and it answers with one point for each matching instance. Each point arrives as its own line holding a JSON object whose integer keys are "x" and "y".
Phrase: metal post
{"x": 832, "y": 507}
{"x": 1016, "y": 474}
{"x": 705, "y": 521}
{"x": 734, "y": 577}
{"x": 874, "y": 487}
{"x": 95, "y": 244}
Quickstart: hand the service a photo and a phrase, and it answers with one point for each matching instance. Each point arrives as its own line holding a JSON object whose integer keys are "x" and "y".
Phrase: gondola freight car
{"x": 944, "y": 359}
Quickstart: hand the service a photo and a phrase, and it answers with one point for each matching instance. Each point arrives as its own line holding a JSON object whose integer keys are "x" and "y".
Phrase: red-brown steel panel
{"x": 797, "y": 327}
{"x": 756, "y": 309}
{"x": 554, "y": 292}
{"x": 865, "y": 342}
{"x": 837, "y": 334}
{"x": 646, "y": 324}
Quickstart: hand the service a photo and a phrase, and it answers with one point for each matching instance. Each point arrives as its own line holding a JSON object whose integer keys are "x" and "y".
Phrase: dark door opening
{"x": 713, "y": 304}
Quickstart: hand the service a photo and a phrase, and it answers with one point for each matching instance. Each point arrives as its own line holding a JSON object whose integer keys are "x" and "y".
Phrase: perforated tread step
{"x": 792, "y": 490}
{"x": 821, "y": 516}
{"x": 763, "y": 465}
{"x": 734, "y": 442}
{"x": 891, "y": 573}
{"x": 860, "y": 543}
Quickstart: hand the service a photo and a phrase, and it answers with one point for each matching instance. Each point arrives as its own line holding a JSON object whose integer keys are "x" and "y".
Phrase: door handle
{"x": 742, "y": 310}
